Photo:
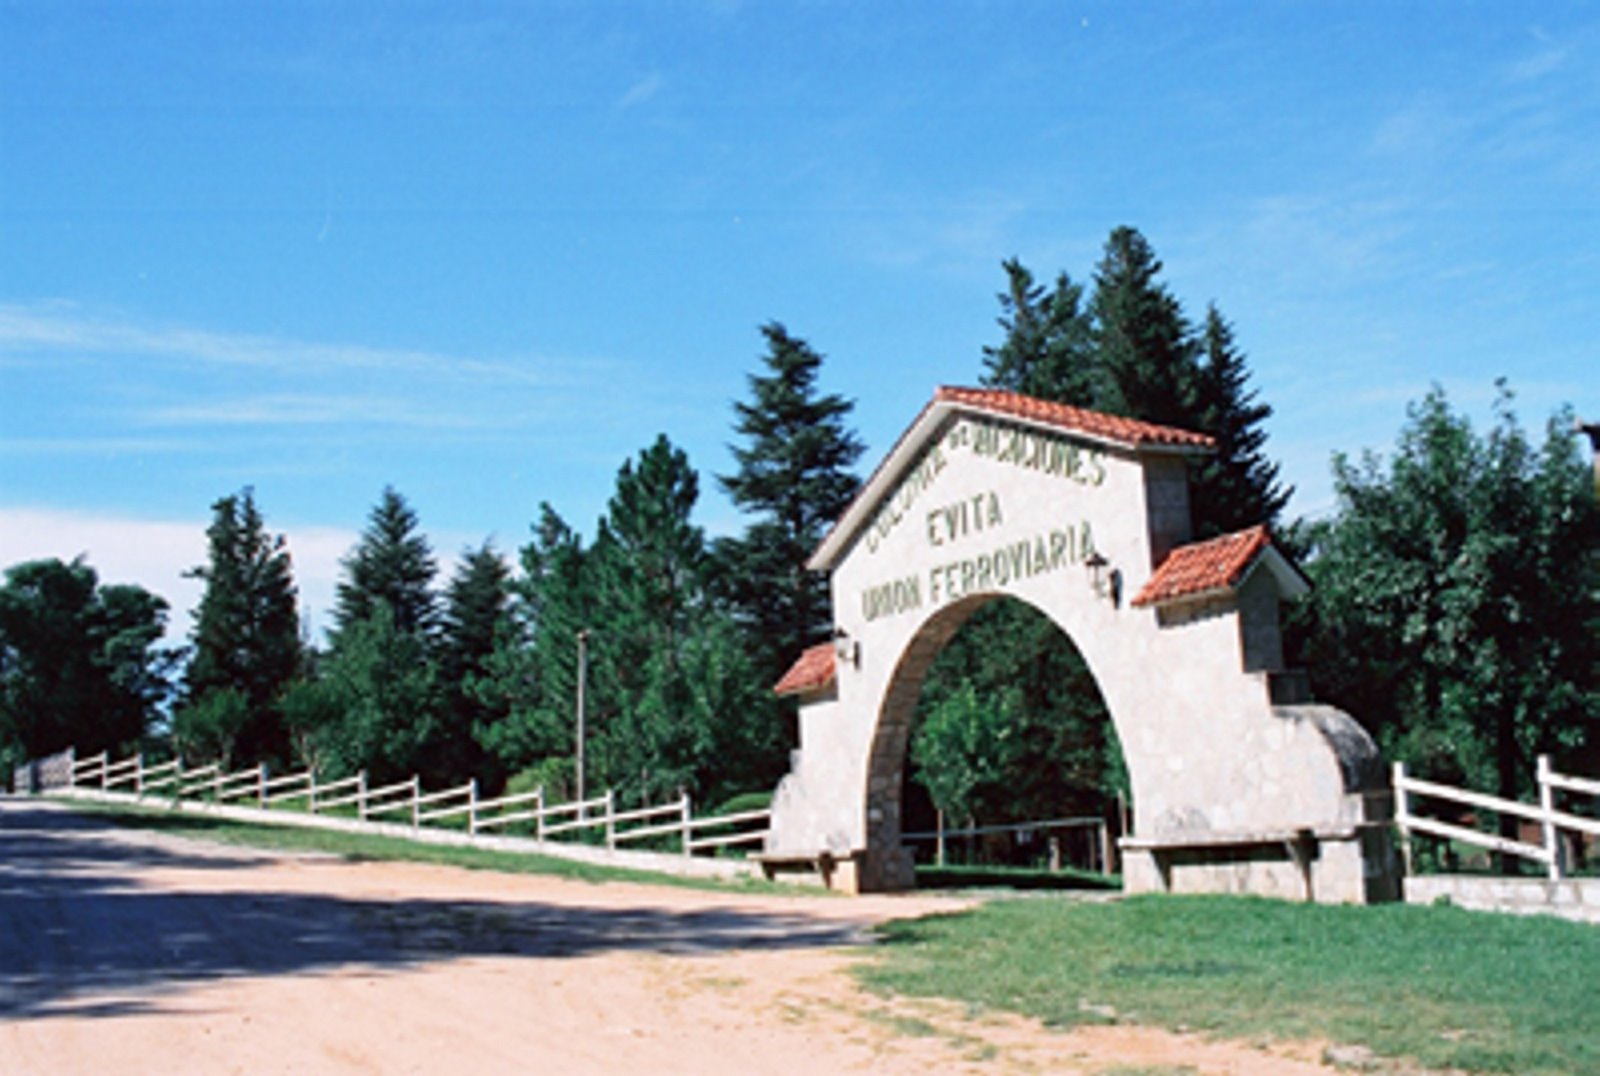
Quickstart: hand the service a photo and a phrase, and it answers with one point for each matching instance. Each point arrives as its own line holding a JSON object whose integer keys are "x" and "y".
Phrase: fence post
{"x": 416, "y": 801}
{"x": 472, "y": 807}
{"x": 261, "y": 787}
{"x": 105, "y": 770}
{"x": 688, "y": 830}
{"x": 138, "y": 774}
{"x": 361, "y": 795}
{"x": 216, "y": 785}
{"x": 1402, "y": 816}
{"x": 538, "y": 813}
{"x": 1547, "y": 807}
{"x": 311, "y": 793}
{"x": 611, "y": 820}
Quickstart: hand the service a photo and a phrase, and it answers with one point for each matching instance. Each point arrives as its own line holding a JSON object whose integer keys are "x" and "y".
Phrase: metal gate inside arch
{"x": 1241, "y": 783}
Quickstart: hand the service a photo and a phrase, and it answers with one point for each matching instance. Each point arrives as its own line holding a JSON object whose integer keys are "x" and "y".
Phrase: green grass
{"x": 361, "y": 846}
{"x": 1438, "y": 986}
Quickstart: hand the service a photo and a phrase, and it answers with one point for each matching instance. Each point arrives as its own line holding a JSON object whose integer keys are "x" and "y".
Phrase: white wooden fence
{"x": 1551, "y": 821}
{"x": 460, "y": 806}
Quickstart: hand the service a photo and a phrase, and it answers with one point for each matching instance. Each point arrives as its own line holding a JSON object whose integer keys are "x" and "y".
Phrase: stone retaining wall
{"x": 1571, "y": 898}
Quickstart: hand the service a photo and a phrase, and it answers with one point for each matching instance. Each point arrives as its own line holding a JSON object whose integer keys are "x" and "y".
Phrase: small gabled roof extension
{"x": 813, "y": 670}
{"x": 1219, "y": 566}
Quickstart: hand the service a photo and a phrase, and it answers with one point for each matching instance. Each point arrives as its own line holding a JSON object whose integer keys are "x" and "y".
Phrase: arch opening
{"x": 994, "y": 722}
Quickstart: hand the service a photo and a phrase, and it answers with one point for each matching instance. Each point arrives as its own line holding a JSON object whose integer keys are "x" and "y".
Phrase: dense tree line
{"x": 1456, "y": 610}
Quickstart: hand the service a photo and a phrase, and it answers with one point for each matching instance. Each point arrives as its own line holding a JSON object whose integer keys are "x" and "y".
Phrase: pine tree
{"x": 670, "y": 685}
{"x": 392, "y": 565}
{"x": 794, "y": 478}
{"x": 1144, "y": 347}
{"x": 1048, "y": 351}
{"x": 475, "y": 616}
{"x": 382, "y": 665}
{"x": 1237, "y": 487}
{"x": 528, "y": 691}
{"x": 246, "y": 629}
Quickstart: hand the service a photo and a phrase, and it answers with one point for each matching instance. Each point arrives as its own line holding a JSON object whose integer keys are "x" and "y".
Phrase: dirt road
{"x": 130, "y": 952}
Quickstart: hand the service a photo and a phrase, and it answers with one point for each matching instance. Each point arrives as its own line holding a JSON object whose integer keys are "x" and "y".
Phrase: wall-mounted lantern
{"x": 1097, "y": 565}
{"x": 846, "y": 648}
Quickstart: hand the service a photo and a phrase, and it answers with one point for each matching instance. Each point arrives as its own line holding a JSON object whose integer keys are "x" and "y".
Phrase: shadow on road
{"x": 81, "y": 935}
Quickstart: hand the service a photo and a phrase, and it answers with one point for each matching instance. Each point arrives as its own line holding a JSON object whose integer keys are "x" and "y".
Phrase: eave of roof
{"x": 1124, "y": 434}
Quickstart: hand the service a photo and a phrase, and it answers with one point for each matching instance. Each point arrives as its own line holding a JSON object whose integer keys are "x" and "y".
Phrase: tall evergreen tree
{"x": 1237, "y": 487}
{"x": 392, "y": 565}
{"x": 794, "y": 478}
{"x": 670, "y": 683}
{"x": 528, "y": 691}
{"x": 1144, "y": 346}
{"x": 79, "y": 661}
{"x": 1048, "y": 350}
{"x": 246, "y": 634}
{"x": 475, "y": 616}
{"x": 382, "y": 671}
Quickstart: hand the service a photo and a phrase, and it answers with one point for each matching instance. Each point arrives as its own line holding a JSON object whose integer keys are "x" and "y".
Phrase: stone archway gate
{"x": 1240, "y": 782}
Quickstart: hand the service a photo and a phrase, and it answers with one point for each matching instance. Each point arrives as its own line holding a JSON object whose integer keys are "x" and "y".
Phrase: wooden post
{"x": 138, "y": 773}
{"x": 105, "y": 770}
{"x": 416, "y": 801}
{"x": 311, "y": 791}
{"x": 688, "y": 830}
{"x": 1547, "y": 806}
{"x": 611, "y": 820}
{"x": 472, "y": 807}
{"x": 938, "y": 836}
{"x": 538, "y": 813}
{"x": 1402, "y": 816}
{"x": 261, "y": 788}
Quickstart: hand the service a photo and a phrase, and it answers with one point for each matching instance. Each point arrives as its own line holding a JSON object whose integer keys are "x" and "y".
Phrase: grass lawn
{"x": 1440, "y": 986}
{"x": 360, "y": 846}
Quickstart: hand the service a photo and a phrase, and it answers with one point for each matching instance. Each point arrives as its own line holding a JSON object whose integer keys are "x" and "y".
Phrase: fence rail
{"x": 664, "y": 821}
{"x": 1551, "y": 820}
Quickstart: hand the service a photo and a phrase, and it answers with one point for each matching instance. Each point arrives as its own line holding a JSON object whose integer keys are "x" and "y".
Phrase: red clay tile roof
{"x": 1127, "y": 431}
{"x": 1204, "y": 567}
{"x": 811, "y": 671}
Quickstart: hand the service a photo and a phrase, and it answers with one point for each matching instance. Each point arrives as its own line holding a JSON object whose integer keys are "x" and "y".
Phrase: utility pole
{"x": 583, "y": 676}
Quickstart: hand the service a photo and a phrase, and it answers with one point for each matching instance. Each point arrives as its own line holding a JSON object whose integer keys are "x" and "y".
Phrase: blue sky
{"x": 486, "y": 252}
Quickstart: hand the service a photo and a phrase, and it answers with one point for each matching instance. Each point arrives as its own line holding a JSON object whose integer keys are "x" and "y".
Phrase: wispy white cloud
{"x": 309, "y": 410}
{"x": 55, "y": 327}
{"x": 641, "y": 91}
